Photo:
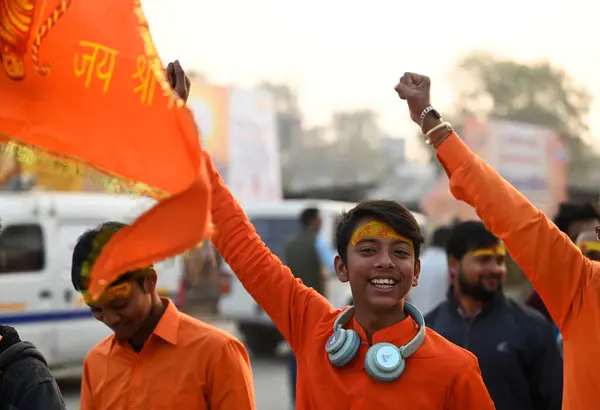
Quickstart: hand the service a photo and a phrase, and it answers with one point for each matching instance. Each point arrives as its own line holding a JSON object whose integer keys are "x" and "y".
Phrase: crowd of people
{"x": 430, "y": 333}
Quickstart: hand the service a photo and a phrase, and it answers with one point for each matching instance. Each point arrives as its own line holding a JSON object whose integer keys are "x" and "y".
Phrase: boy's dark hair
{"x": 390, "y": 213}
{"x": 440, "y": 236}
{"x": 570, "y": 212}
{"x": 82, "y": 250}
{"x": 308, "y": 215}
{"x": 467, "y": 236}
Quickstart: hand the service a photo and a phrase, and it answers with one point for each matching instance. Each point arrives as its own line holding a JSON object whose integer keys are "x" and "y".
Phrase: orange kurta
{"x": 184, "y": 365}
{"x": 567, "y": 282}
{"x": 439, "y": 376}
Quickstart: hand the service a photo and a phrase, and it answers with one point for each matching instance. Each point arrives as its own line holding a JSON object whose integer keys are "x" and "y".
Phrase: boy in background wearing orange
{"x": 157, "y": 357}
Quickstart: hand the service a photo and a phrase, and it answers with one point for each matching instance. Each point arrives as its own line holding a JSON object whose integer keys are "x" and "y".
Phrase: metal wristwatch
{"x": 429, "y": 110}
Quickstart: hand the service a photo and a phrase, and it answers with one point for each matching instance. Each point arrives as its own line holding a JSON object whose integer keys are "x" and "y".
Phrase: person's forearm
{"x": 553, "y": 264}
{"x": 429, "y": 123}
{"x": 267, "y": 280}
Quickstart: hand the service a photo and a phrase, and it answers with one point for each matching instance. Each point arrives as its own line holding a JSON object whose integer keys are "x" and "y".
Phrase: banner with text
{"x": 532, "y": 158}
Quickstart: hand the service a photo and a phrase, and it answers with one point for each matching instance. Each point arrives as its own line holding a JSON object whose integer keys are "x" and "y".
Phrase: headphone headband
{"x": 408, "y": 349}
{"x": 344, "y": 318}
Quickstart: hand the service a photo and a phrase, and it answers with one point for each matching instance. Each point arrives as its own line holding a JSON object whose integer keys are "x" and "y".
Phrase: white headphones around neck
{"x": 384, "y": 361}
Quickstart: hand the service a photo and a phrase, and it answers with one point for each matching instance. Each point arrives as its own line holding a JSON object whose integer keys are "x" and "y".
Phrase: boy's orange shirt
{"x": 567, "y": 282}
{"x": 184, "y": 365}
{"x": 439, "y": 376}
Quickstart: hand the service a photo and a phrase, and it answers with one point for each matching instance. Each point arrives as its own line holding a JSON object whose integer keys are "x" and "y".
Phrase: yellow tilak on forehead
{"x": 496, "y": 250}
{"x": 376, "y": 229}
{"x": 122, "y": 290}
{"x": 589, "y": 246}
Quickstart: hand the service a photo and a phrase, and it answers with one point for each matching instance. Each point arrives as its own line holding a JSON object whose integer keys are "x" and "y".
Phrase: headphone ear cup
{"x": 347, "y": 351}
{"x": 384, "y": 362}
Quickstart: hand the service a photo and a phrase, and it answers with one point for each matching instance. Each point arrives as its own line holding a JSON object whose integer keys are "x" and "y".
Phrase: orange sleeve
{"x": 86, "y": 399}
{"x": 292, "y": 306}
{"x": 553, "y": 264}
{"x": 468, "y": 390}
{"x": 230, "y": 379}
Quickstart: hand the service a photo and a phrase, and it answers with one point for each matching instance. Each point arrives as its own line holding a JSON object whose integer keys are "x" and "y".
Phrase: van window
{"x": 21, "y": 249}
{"x": 275, "y": 232}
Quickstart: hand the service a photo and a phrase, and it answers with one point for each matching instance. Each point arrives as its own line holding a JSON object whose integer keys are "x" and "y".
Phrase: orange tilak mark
{"x": 497, "y": 250}
{"x": 113, "y": 292}
{"x": 376, "y": 229}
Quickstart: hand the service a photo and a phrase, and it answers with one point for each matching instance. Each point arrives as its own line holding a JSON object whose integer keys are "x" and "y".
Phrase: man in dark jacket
{"x": 515, "y": 345}
{"x": 25, "y": 380}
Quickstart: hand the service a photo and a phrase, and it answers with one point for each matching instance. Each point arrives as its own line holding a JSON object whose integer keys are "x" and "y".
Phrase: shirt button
{"x": 358, "y": 396}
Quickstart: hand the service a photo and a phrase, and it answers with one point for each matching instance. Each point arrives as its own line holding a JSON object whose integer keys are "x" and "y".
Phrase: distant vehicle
{"x": 39, "y": 232}
{"x": 276, "y": 222}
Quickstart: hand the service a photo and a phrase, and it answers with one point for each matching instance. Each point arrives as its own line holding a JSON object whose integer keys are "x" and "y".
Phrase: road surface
{"x": 270, "y": 381}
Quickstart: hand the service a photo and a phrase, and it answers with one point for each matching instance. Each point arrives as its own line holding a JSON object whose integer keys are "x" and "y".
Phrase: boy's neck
{"x": 156, "y": 311}
{"x": 373, "y": 321}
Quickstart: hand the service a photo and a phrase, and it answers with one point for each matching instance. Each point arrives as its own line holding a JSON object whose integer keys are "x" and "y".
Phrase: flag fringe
{"x": 35, "y": 157}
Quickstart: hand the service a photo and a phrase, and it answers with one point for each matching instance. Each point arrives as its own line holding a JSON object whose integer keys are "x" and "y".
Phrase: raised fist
{"x": 414, "y": 88}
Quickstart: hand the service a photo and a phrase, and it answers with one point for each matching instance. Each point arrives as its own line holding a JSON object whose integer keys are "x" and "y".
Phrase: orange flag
{"x": 81, "y": 82}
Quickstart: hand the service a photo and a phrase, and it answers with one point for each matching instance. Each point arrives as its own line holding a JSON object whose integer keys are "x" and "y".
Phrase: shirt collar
{"x": 400, "y": 333}
{"x": 168, "y": 325}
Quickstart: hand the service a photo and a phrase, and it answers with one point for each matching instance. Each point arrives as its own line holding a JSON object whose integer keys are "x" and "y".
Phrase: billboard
{"x": 532, "y": 158}
{"x": 254, "y": 172}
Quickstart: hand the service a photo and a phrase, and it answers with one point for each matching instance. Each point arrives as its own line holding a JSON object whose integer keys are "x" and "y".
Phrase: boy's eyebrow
{"x": 376, "y": 240}
{"x": 367, "y": 240}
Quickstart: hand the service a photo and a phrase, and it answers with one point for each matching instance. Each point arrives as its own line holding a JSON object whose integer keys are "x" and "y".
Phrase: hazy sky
{"x": 349, "y": 54}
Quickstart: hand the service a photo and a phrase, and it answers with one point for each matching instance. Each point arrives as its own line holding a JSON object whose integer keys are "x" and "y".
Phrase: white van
{"x": 39, "y": 232}
{"x": 276, "y": 222}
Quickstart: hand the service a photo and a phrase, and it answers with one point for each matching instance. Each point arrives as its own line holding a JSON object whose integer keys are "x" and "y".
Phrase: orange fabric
{"x": 567, "y": 282}
{"x": 185, "y": 364}
{"x": 439, "y": 376}
{"x": 79, "y": 90}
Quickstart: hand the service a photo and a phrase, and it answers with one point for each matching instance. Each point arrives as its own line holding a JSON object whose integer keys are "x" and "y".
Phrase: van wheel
{"x": 261, "y": 340}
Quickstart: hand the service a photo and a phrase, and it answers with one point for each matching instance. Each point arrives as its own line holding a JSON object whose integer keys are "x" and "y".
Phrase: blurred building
{"x": 360, "y": 126}
{"x": 289, "y": 117}
{"x": 394, "y": 149}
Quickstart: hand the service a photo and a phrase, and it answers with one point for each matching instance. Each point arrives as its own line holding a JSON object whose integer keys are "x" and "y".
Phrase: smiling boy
{"x": 375, "y": 355}
{"x": 157, "y": 357}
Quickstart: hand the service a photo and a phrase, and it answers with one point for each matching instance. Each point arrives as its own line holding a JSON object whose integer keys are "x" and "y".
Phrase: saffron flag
{"x": 82, "y": 86}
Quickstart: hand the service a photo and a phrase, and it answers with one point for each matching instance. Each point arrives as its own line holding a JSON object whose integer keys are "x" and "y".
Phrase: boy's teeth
{"x": 388, "y": 282}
